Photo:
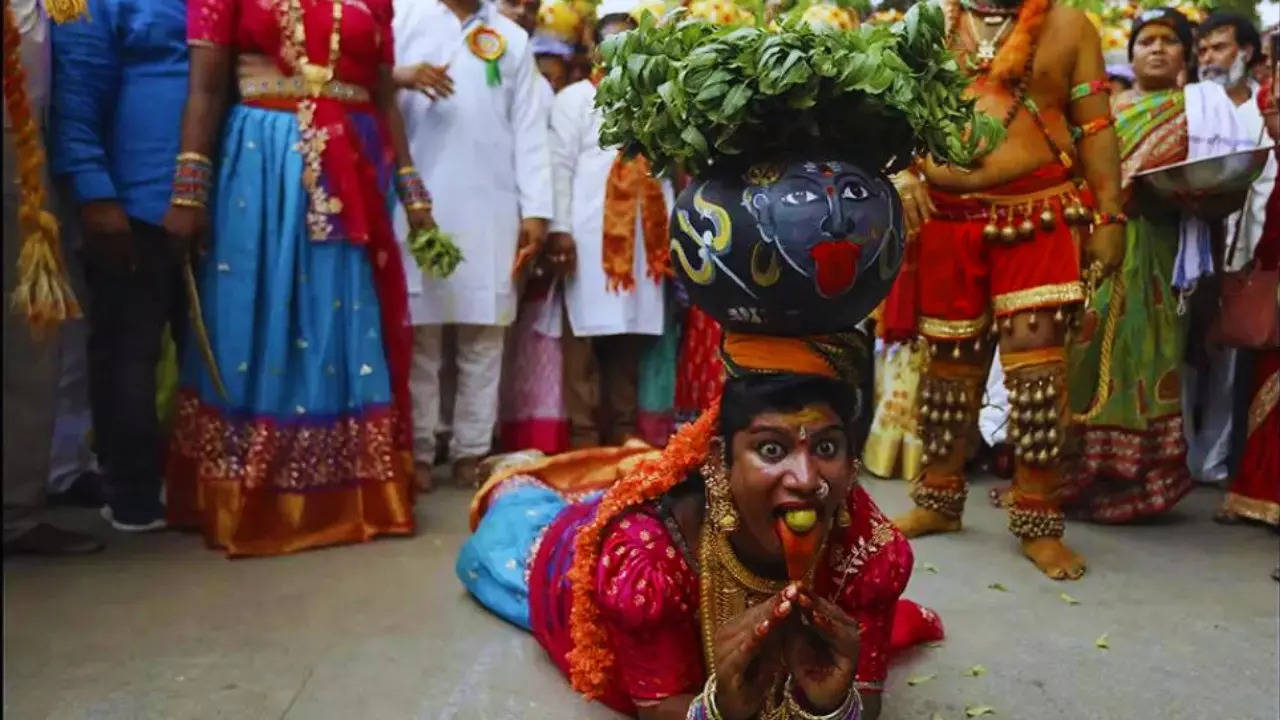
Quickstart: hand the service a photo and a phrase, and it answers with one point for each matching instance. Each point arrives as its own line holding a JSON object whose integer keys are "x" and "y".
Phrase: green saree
{"x": 1131, "y": 461}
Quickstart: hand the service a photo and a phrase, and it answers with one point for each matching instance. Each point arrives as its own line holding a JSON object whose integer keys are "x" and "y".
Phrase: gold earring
{"x": 720, "y": 507}
{"x": 843, "y": 518}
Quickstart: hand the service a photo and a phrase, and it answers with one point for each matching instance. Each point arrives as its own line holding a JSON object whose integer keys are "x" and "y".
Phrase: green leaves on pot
{"x": 690, "y": 94}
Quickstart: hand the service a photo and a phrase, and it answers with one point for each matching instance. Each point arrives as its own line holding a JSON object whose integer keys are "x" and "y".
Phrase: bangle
{"x": 697, "y": 709}
{"x": 412, "y": 191}
{"x": 707, "y": 701}
{"x": 195, "y": 157}
{"x": 1084, "y": 90}
{"x": 850, "y": 709}
{"x": 1092, "y": 127}
{"x": 192, "y": 180}
{"x": 1102, "y": 218}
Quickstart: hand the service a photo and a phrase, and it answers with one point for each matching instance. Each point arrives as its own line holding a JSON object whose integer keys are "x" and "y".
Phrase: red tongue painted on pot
{"x": 837, "y": 265}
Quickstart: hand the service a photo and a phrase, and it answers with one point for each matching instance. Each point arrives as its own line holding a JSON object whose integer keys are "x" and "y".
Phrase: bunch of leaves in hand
{"x": 435, "y": 252}
{"x": 692, "y": 95}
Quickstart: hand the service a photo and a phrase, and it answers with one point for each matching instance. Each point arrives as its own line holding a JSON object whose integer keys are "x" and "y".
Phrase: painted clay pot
{"x": 794, "y": 248}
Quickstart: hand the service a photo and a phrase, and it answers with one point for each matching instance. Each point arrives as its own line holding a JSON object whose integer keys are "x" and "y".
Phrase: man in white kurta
{"x": 482, "y": 151}
{"x": 602, "y": 350}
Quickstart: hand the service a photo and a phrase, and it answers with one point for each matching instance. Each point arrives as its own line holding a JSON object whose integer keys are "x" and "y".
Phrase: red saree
{"x": 1255, "y": 492}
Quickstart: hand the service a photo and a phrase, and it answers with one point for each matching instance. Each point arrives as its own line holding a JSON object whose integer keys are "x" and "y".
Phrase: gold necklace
{"x": 315, "y": 76}
{"x": 727, "y": 589}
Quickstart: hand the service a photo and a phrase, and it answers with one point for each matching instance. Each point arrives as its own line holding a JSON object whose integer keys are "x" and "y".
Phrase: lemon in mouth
{"x": 800, "y": 521}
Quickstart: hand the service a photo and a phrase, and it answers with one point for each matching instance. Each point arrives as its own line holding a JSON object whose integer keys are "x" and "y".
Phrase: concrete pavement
{"x": 160, "y": 627}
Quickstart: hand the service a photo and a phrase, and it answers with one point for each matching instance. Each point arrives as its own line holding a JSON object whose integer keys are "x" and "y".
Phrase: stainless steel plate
{"x": 1211, "y": 187}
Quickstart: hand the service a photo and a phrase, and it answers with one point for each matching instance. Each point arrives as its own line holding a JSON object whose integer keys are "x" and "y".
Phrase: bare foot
{"x": 422, "y": 478}
{"x": 466, "y": 472}
{"x": 1054, "y": 558}
{"x": 920, "y": 522}
{"x": 1226, "y": 517}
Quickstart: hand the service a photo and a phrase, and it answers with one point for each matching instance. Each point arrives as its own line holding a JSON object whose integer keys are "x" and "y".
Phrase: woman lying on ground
{"x": 604, "y": 554}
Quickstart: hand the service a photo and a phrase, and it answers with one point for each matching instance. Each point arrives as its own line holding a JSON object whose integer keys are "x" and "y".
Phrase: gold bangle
{"x": 418, "y": 206}
{"x": 709, "y": 695}
{"x": 187, "y": 202}
{"x": 198, "y": 157}
{"x": 407, "y": 170}
{"x": 852, "y": 699}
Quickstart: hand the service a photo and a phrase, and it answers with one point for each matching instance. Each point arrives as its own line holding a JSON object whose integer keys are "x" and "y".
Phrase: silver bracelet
{"x": 850, "y": 709}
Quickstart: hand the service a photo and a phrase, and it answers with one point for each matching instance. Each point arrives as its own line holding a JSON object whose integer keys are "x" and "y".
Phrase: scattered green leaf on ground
{"x": 997, "y": 586}
{"x": 974, "y": 711}
{"x": 1103, "y": 642}
{"x": 929, "y": 567}
{"x": 921, "y": 679}
{"x": 1068, "y": 599}
{"x": 976, "y": 671}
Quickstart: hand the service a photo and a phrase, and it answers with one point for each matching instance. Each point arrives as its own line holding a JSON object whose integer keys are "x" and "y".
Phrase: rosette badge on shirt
{"x": 488, "y": 44}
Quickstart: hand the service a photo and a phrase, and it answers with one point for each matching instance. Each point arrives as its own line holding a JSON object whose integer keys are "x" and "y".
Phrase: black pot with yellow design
{"x": 801, "y": 247}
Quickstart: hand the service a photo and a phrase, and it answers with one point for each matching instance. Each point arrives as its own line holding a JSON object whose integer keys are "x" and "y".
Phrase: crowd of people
{"x": 263, "y": 360}
{"x": 313, "y": 394}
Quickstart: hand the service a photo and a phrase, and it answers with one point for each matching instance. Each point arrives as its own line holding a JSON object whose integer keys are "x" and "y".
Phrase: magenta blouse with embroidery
{"x": 649, "y": 597}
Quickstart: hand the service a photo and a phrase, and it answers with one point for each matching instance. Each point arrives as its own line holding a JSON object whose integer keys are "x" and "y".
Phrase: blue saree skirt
{"x": 300, "y": 452}
{"x": 494, "y": 563}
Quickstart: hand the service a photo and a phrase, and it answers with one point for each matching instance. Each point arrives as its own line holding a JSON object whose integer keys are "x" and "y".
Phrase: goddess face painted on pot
{"x": 807, "y": 248}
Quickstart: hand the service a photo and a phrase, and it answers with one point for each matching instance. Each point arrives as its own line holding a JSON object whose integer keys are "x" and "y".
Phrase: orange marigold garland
{"x": 43, "y": 293}
{"x": 591, "y": 660}
{"x": 61, "y": 11}
{"x": 1010, "y": 63}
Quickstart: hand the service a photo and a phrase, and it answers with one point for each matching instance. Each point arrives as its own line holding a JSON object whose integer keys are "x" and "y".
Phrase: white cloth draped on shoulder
{"x": 1213, "y": 128}
{"x": 580, "y": 168}
{"x": 1255, "y": 209}
{"x": 482, "y": 153}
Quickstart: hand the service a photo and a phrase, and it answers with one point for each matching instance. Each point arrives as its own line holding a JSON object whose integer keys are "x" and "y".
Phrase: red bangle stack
{"x": 192, "y": 180}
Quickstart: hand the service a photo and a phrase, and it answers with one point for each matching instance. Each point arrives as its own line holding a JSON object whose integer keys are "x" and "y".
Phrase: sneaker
{"x": 131, "y": 522}
{"x": 87, "y": 491}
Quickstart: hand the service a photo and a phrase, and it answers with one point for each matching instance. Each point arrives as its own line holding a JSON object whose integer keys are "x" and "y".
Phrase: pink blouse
{"x": 251, "y": 26}
{"x": 649, "y": 600}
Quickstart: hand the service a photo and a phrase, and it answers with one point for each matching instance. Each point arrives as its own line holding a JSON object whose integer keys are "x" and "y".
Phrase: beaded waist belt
{"x": 293, "y": 87}
{"x": 1013, "y": 218}
{"x": 977, "y": 206}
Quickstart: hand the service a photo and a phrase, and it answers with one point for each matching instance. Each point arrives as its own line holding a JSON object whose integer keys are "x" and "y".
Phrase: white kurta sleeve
{"x": 529, "y": 123}
{"x": 566, "y": 134}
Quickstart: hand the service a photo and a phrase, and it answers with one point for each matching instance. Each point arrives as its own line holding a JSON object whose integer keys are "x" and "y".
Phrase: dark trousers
{"x": 128, "y": 311}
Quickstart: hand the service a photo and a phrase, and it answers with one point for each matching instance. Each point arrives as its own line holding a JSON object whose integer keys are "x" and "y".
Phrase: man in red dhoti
{"x": 999, "y": 260}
